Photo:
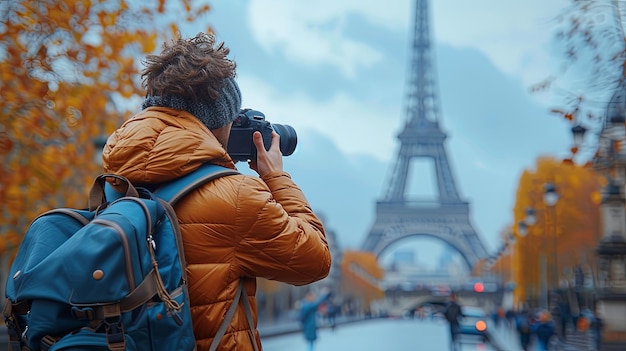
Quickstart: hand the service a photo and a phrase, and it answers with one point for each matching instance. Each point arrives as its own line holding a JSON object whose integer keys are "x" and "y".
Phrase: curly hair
{"x": 189, "y": 69}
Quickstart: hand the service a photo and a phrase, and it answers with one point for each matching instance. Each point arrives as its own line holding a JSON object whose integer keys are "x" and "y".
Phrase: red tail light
{"x": 481, "y": 326}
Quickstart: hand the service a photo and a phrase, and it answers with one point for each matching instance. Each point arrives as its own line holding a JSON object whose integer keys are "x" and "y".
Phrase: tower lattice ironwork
{"x": 398, "y": 216}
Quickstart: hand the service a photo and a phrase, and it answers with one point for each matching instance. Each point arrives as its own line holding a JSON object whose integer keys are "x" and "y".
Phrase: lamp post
{"x": 550, "y": 198}
{"x": 507, "y": 272}
{"x": 511, "y": 244}
{"x": 522, "y": 230}
{"x": 531, "y": 220}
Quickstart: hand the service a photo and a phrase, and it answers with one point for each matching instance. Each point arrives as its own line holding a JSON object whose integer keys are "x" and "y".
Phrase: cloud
{"x": 356, "y": 127}
{"x": 314, "y": 33}
{"x": 514, "y": 35}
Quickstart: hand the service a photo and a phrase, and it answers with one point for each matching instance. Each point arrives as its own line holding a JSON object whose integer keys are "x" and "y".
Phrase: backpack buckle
{"x": 84, "y": 313}
{"x": 113, "y": 327}
{"x": 114, "y": 333}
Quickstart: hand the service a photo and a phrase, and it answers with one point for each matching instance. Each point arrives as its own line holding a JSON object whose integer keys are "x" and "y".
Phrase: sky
{"x": 336, "y": 71}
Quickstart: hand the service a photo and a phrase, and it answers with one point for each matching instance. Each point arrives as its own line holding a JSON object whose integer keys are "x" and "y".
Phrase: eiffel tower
{"x": 397, "y": 215}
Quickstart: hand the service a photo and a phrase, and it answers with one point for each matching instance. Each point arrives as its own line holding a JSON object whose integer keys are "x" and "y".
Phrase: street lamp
{"x": 578, "y": 131}
{"x": 530, "y": 216}
{"x": 522, "y": 228}
{"x": 550, "y": 198}
{"x": 510, "y": 245}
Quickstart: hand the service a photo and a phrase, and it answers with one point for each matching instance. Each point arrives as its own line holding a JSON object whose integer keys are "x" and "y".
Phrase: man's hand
{"x": 266, "y": 161}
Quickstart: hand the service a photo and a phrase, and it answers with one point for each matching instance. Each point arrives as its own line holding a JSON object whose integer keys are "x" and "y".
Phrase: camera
{"x": 240, "y": 144}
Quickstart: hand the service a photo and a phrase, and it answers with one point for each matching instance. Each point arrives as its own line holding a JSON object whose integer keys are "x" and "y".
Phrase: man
{"x": 331, "y": 312}
{"x": 235, "y": 227}
{"x": 523, "y": 324}
{"x": 308, "y": 315}
{"x": 544, "y": 330}
{"x": 453, "y": 313}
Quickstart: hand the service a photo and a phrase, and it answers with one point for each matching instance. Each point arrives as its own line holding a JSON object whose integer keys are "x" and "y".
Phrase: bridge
{"x": 400, "y": 302}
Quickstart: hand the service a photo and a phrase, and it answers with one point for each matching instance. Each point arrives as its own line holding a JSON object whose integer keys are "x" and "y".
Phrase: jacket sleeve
{"x": 286, "y": 242}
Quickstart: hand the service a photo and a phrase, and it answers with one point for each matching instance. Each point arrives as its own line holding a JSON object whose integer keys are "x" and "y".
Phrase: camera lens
{"x": 288, "y": 138}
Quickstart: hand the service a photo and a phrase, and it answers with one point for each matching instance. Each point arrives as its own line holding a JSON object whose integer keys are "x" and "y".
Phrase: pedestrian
{"x": 510, "y": 317}
{"x": 544, "y": 330}
{"x": 596, "y": 328}
{"x": 308, "y": 315}
{"x": 564, "y": 317}
{"x": 523, "y": 326}
{"x": 235, "y": 228}
{"x": 331, "y": 313}
{"x": 501, "y": 316}
{"x": 421, "y": 314}
{"x": 453, "y": 313}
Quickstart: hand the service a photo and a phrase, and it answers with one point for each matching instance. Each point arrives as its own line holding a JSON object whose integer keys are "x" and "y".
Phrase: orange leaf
{"x": 557, "y": 111}
{"x": 174, "y": 29}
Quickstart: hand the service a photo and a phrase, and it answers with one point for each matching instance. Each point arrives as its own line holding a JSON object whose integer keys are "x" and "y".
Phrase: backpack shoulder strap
{"x": 177, "y": 189}
{"x": 239, "y": 295}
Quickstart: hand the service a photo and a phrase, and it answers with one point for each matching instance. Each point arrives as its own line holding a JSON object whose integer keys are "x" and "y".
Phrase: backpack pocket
{"x": 164, "y": 323}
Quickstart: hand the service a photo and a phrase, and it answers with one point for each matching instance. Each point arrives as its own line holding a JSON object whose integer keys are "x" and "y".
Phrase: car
{"x": 474, "y": 322}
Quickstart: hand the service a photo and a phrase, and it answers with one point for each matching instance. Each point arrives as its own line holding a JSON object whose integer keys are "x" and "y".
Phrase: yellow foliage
{"x": 359, "y": 271}
{"x": 58, "y": 96}
{"x": 566, "y": 233}
{"x": 596, "y": 197}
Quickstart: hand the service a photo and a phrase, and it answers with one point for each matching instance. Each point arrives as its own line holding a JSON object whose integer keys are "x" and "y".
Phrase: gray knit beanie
{"x": 212, "y": 113}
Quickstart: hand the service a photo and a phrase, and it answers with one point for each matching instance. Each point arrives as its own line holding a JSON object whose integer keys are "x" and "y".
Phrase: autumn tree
{"x": 68, "y": 74}
{"x": 566, "y": 233}
{"x": 360, "y": 277}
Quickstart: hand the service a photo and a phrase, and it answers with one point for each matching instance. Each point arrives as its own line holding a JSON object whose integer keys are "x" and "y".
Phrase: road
{"x": 378, "y": 335}
{"x": 394, "y": 335}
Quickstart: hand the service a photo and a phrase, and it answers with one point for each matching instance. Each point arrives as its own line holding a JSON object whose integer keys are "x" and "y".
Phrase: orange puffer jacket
{"x": 234, "y": 227}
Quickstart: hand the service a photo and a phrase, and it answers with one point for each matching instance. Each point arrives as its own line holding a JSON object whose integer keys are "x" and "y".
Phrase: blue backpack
{"x": 110, "y": 277}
